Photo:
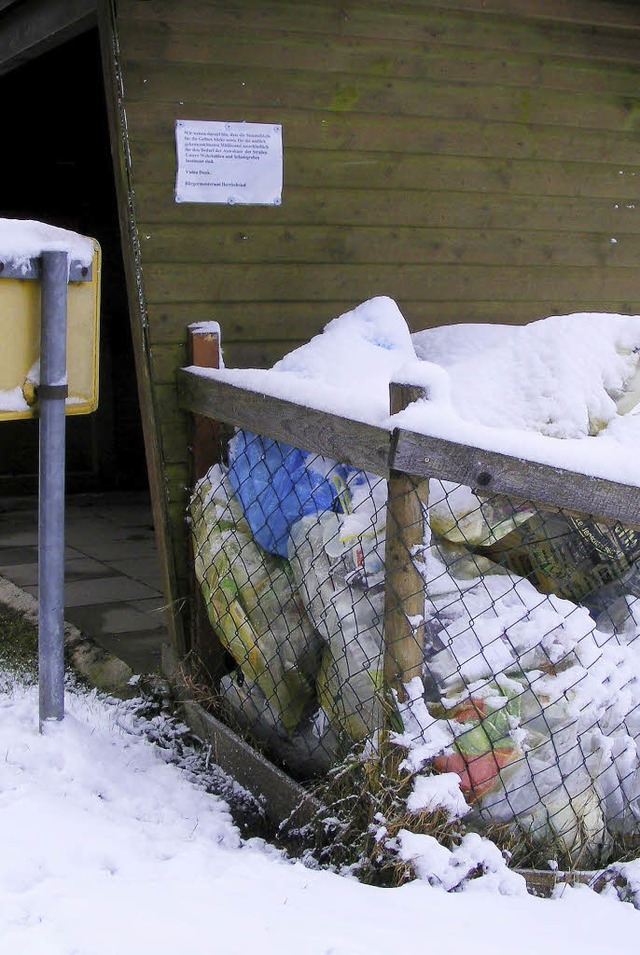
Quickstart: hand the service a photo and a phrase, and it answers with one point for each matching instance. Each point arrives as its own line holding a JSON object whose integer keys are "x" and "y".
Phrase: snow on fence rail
{"x": 482, "y": 607}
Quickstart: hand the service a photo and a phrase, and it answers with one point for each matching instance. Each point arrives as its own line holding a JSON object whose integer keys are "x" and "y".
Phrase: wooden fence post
{"x": 404, "y": 585}
{"x": 203, "y": 349}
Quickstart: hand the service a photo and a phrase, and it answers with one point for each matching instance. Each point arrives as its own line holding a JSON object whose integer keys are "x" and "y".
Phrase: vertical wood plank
{"x": 203, "y": 348}
{"x": 118, "y": 132}
{"x": 404, "y": 586}
{"x": 205, "y": 436}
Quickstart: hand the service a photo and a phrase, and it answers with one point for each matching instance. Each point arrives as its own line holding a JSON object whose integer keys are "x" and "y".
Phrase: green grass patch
{"x": 18, "y": 643}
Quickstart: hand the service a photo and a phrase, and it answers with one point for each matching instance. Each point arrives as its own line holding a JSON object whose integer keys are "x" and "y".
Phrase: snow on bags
{"x": 519, "y": 758}
{"x": 462, "y": 516}
{"x": 505, "y": 660}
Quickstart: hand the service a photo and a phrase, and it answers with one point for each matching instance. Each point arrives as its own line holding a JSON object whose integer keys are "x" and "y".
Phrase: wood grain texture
{"x": 477, "y": 162}
{"x": 496, "y": 473}
{"x": 240, "y": 87}
{"x": 405, "y": 537}
{"x": 340, "y": 244}
{"x": 387, "y": 170}
{"x": 177, "y": 282}
{"x": 547, "y": 215}
{"x": 258, "y": 333}
{"x": 153, "y": 122}
{"x": 175, "y": 42}
{"x": 350, "y": 442}
{"x": 505, "y": 26}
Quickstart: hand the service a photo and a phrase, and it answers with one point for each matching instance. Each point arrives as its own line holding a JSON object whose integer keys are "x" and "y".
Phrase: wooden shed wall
{"x": 476, "y": 161}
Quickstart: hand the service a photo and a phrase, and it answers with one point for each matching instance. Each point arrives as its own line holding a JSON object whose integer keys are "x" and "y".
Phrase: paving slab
{"x": 103, "y": 548}
{"x": 113, "y": 590}
{"x": 141, "y": 649}
{"x": 75, "y": 568}
{"x": 11, "y": 536}
{"x": 144, "y": 569}
{"x": 101, "y": 590}
{"x": 10, "y": 556}
{"x": 119, "y": 617}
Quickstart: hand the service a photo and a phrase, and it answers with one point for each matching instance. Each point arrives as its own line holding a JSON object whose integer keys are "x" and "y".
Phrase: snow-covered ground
{"x": 106, "y": 847}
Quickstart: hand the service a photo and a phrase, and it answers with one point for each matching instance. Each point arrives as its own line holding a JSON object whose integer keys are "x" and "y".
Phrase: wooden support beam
{"x": 495, "y": 473}
{"x": 32, "y": 27}
{"x": 406, "y": 530}
{"x": 203, "y": 349}
{"x": 341, "y": 439}
{"x": 374, "y": 449}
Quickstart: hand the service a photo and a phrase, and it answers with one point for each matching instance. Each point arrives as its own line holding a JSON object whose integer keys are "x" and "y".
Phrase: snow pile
{"x": 511, "y": 389}
{"x": 531, "y": 700}
{"x": 346, "y": 370}
{"x": 451, "y": 869}
{"x": 566, "y": 376}
{"x": 24, "y": 239}
{"x": 441, "y": 791}
{"x": 12, "y": 399}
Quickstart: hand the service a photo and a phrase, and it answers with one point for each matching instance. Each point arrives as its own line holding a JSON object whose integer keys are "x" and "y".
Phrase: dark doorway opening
{"x": 57, "y": 168}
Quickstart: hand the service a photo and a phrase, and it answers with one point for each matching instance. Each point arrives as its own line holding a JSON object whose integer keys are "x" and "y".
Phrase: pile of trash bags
{"x": 293, "y": 578}
{"x": 530, "y": 629}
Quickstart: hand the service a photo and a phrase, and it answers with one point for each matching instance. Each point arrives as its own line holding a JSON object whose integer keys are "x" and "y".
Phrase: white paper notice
{"x": 229, "y": 162}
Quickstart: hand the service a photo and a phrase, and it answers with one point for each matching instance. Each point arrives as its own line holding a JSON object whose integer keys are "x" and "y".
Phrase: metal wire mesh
{"x": 524, "y": 622}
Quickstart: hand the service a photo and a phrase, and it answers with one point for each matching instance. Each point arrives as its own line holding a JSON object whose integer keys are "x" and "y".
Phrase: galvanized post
{"x": 52, "y": 392}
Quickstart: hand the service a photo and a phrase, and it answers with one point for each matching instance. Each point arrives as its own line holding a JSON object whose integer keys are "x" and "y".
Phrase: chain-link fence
{"x": 493, "y": 639}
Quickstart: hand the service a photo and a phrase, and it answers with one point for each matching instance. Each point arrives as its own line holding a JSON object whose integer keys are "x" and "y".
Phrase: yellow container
{"x": 20, "y": 344}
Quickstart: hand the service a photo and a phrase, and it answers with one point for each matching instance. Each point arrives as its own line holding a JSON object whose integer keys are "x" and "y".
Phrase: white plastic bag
{"x": 338, "y": 577}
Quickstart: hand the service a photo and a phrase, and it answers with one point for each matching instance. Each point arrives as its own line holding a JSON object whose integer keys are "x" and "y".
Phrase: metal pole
{"x": 52, "y": 392}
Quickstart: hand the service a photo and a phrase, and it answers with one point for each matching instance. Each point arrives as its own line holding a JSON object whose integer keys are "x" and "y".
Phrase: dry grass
{"x": 364, "y": 800}
{"x": 18, "y": 643}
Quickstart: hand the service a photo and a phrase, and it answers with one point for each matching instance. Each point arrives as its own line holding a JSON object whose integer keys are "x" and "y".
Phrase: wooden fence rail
{"x": 379, "y": 451}
{"x": 351, "y": 442}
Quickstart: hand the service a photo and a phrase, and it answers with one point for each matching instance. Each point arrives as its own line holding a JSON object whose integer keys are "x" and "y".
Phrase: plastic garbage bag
{"x": 520, "y": 763}
{"x": 311, "y": 748}
{"x": 483, "y": 749}
{"x": 277, "y": 484}
{"x": 459, "y": 515}
{"x": 572, "y": 557}
{"x": 577, "y": 558}
{"x": 252, "y": 602}
{"x": 340, "y": 578}
{"x": 492, "y": 623}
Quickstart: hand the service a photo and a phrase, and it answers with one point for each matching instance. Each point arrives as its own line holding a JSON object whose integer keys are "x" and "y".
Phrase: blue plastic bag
{"x": 277, "y": 485}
